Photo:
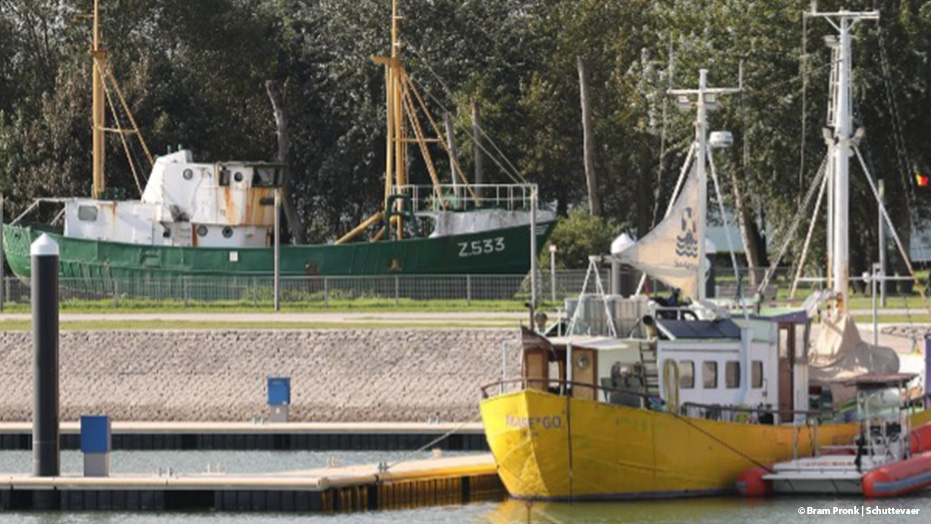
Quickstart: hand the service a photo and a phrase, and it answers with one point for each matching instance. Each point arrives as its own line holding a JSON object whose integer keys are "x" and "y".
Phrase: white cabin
{"x": 186, "y": 204}
{"x": 722, "y": 368}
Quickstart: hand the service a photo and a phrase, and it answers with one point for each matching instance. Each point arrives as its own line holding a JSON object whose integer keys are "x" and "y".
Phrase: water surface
{"x": 699, "y": 511}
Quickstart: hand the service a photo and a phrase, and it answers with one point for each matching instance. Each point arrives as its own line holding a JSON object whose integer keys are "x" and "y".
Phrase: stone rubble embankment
{"x": 351, "y": 375}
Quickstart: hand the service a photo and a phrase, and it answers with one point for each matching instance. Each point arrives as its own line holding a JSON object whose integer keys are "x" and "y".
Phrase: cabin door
{"x": 536, "y": 368}
{"x": 786, "y": 364}
{"x": 584, "y": 374}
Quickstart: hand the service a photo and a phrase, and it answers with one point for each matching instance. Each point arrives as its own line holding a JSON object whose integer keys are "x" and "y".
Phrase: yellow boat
{"x": 677, "y": 401}
{"x": 586, "y": 421}
{"x": 553, "y": 447}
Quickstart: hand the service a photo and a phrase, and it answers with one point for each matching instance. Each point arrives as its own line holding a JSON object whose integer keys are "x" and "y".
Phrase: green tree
{"x": 577, "y": 237}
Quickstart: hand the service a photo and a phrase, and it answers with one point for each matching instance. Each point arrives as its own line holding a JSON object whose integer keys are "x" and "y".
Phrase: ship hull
{"x": 548, "y": 447}
{"x": 496, "y": 252}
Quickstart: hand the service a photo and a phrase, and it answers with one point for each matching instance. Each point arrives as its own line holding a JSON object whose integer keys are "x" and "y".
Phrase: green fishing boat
{"x": 220, "y": 219}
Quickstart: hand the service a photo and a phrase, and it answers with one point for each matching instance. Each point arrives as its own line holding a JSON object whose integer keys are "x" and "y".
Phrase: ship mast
{"x": 406, "y": 109}
{"x": 840, "y": 148}
{"x": 99, "y": 58}
{"x": 705, "y": 98}
{"x": 396, "y": 162}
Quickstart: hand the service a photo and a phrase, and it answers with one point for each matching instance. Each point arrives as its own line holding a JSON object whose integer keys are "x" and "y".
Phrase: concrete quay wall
{"x": 203, "y": 375}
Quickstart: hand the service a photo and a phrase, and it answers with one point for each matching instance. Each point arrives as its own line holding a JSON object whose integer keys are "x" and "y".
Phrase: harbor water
{"x": 731, "y": 510}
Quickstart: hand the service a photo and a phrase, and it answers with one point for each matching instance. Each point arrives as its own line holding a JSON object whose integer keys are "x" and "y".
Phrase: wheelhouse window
{"x": 270, "y": 176}
{"x": 732, "y": 374}
{"x": 87, "y": 213}
{"x": 686, "y": 374}
{"x": 756, "y": 374}
{"x": 709, "y": 374}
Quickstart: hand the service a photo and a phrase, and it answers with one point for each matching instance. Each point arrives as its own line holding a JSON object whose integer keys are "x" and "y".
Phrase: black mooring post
{"x": 45, "y": 450}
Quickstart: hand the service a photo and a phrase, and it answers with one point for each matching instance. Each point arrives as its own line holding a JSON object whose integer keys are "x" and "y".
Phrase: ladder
{"x": 649, "y": 370}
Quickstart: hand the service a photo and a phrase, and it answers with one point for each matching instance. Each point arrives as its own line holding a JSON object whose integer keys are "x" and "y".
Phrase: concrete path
{"x": 400, "y": 318}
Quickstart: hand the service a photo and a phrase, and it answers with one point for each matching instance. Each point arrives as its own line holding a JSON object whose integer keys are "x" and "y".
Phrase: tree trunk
{"x": 749, "y": 233}
{"x": 476, "y": 145}
{"x": 284, "y": 147}
{"x": 594, "y": 202}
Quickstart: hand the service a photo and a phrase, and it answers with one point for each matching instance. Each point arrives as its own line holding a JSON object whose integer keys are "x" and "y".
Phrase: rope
{"x": 811, "y": 231}
{"x": 794, "y": 225}
{"x": 897, "y": 134}
{"x": 662, "y": 141}
{"x": 514, "y": 173}
{"x": 433, "y": 442}
{"x": 119, "y": 127}
{"x": 485, "y": 150}
{"x": 722, "y": 443}
{"x": 804, "y": 133}
{"x": 727, "y": 234}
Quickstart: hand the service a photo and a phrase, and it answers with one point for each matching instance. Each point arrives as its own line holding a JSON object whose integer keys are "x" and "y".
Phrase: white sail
{"x": 670, "y": 251}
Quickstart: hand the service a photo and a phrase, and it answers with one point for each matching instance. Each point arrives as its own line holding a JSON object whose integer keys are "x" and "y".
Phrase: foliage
{"x": 194, "y": 74}
{"x": 578, "y": 236}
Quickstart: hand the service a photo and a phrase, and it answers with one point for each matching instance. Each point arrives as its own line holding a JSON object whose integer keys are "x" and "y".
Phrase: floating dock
{"x": 247, "y": 436}
{"x": 355, "y": 488}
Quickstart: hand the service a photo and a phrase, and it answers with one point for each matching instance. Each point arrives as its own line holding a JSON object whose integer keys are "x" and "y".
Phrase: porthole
{"x": 237, "y": 176}
{"x": 227, "y": 232}
{"x": 188, "y": 174}
{"x": 202, "y": 231}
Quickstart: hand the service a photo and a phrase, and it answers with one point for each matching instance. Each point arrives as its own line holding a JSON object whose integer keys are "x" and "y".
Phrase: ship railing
{"x": 447, "y": 197}
{"x": 566, "y": 388}
{"x": 769, "y": 416}
{"x": 35, "y": 205}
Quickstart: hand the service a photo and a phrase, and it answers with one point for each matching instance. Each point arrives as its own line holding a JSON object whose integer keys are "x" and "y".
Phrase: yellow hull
{"x": 606, "y": 451}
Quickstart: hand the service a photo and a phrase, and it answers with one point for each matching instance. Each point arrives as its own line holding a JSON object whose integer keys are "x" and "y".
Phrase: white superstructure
{"x": 186, "y": 204}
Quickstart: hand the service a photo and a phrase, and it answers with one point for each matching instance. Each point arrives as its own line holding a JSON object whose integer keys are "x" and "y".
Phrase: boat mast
{"x": 396, "y": 142}
{"x": 840, "y": 148}
{"x": 404, "y": 107}
{"x": 705, "y": 97}
{"x": 99, "y": 59}
{"x": 396, "y": 110}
